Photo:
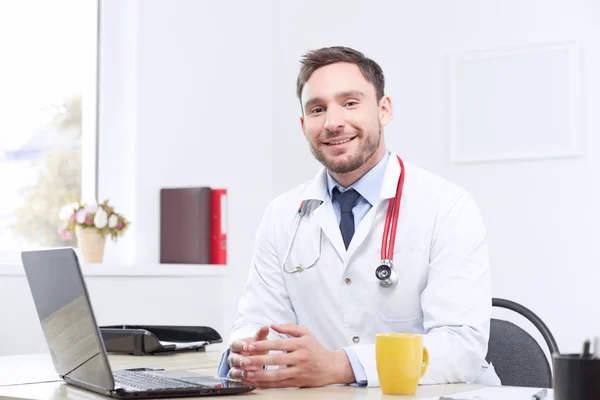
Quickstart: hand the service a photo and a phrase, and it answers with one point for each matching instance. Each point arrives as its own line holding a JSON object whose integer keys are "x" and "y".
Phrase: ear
{"x": 302, "y": 125}
{"x": 385, "y": 110}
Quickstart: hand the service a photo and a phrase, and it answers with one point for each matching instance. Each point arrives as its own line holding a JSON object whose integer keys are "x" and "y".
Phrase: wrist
{"x": 342, "y": 369}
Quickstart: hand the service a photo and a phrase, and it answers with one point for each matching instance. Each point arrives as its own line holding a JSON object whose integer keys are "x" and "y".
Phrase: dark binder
{"x": 153, "y": 339}
{"x": 185, "y": 225}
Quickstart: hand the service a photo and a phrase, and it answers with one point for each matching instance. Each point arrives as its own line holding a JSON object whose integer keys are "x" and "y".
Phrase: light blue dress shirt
{"x": 369, "y": 188}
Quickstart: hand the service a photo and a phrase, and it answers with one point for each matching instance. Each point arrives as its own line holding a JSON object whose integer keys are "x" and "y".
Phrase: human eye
{"x": 351, "y": 103}
{"x": 316, "y": 110}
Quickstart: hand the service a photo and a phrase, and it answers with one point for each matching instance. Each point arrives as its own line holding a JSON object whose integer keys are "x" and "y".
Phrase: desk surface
{"x": 32, "y": 376}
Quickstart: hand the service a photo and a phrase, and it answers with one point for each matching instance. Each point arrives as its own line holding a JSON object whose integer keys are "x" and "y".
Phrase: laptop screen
{"x": 66, "y": 316}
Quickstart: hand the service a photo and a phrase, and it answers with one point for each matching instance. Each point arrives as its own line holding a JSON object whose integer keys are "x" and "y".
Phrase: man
{"x": 312, "y": 304}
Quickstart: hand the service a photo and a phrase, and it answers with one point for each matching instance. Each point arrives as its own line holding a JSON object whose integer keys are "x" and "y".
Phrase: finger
{"x": 269, "y": 359}
{"x": 291, "y": 329}
{"x": 275, "y": 344}
{"x": 234, "y": 360}
{"x": 271, "y": 375}
{"x": 262, "y": 333}
{"x": 252, "y": 368}
{"x": 236, "y": 373}
{"x": 238, "y": 345}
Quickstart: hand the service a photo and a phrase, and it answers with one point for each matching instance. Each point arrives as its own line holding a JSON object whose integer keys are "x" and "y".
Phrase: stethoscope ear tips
{"x": 385, "y": 274}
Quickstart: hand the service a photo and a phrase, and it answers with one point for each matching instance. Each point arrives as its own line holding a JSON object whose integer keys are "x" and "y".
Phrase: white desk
{"x": 28, "y": 377}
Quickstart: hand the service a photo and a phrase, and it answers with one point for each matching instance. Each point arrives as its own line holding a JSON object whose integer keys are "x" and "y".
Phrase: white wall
{"x": 189, "y": 85}
{"x": 116, "y": 300}
{"x": 196, "y": 77}
{"x": 541, "y": 215}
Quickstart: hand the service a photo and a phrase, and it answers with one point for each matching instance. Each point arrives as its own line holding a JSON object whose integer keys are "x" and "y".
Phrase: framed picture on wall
{"x": 516, "y": 103}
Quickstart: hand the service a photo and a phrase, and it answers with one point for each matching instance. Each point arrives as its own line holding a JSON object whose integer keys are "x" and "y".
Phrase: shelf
{"x": 138, "y": 270}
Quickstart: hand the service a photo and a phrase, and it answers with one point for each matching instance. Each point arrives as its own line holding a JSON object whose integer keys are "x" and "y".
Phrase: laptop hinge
{"x": 87, "y": 386}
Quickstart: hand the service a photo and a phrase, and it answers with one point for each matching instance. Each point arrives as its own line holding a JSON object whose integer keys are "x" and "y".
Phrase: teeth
{"x": 343, "y": 141}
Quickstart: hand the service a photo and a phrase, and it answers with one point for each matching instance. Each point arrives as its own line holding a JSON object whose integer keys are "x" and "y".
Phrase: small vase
{"x": 91, "y": 244}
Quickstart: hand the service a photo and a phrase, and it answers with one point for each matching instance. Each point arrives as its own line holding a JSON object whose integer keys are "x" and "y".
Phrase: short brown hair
{"x": 318, "y": 58}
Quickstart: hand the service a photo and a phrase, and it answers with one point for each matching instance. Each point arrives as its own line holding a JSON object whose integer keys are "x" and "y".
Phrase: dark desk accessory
{"x": 576, "y": 376}
{"x": 155, "y": 339}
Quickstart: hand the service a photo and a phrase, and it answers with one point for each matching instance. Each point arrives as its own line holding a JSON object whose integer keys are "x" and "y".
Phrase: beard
{"x": 351, "y": 161}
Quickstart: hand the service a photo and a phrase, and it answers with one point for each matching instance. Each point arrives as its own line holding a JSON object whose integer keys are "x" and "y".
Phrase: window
{"x": 48, "y": 99}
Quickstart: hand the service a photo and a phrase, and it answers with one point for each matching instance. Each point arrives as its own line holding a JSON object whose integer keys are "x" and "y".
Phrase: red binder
{"x": 218, "y": 245}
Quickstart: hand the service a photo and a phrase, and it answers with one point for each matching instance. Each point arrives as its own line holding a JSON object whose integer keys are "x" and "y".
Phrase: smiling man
{"x": 313, "y": 304}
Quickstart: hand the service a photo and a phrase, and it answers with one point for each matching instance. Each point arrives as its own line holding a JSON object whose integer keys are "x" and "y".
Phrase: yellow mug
{"x": 401, "y": 362}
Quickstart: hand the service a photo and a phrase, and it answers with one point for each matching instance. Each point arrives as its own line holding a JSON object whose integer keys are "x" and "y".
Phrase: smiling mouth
{"x": 338, "y": 142}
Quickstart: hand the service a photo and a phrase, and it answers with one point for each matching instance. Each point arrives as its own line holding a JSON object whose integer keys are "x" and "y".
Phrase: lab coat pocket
{"x": 391, "y": 311}
{"x": 401, "y": 303}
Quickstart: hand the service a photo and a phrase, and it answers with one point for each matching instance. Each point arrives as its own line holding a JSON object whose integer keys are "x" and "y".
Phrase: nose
{"x": 335, "y": 119}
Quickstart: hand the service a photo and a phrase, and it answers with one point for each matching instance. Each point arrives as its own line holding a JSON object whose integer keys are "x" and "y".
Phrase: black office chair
{"x": 517, "y": 357}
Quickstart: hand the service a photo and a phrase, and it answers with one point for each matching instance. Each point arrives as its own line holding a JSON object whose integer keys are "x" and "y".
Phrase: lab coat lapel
{"x": 324, "y": 215}
{"x": 388, "y": 191}
{"x": 361, "y": 232}
{"x": 390, "y": 179}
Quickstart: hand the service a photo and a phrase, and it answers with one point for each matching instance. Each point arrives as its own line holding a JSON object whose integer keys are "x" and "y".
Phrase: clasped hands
{"x": 307, "y": 363}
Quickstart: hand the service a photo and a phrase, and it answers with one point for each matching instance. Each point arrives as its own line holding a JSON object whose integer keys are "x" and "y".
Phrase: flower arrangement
{"x": 100, "y": 217}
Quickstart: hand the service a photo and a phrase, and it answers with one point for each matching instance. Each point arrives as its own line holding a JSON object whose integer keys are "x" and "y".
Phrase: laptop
{"x": 76, "y": 346}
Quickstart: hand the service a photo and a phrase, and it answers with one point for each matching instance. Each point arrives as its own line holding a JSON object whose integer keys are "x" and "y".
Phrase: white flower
{"x": 101, "y": 218}
{"x": 113, "y": 220}
{"x": 81, "y": 216}
{"x": 91, "y": 208}
{"x": 66, "y": 211}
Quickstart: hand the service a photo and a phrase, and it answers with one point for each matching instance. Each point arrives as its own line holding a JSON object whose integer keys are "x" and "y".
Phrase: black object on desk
{"x": 141, "y": 340}
{"x": 576, "y": 376}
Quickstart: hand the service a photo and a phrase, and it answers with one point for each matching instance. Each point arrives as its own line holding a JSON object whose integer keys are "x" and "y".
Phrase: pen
{"x": 586, "y": 348}
{"x": 455, "y": 398}
{"x": 451, "y": 398}
{"x": 540, "y": 395}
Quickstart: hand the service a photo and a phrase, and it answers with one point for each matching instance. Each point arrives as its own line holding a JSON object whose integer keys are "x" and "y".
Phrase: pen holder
{"x": 576, "y": 377}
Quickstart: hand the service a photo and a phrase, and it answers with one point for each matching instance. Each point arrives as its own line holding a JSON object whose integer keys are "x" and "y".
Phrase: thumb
{"x": 291, "y": 329}
{"x": 262, "y": 333}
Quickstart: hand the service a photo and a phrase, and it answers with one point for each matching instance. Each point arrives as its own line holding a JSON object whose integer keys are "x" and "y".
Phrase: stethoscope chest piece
{"x": 386, "y": 274}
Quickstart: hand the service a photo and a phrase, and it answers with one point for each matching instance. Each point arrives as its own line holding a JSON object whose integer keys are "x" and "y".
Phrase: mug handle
{"x": 425, "y": 361}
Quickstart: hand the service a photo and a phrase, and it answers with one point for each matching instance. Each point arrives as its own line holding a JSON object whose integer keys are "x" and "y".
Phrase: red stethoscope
{"x": 385, "y": 272}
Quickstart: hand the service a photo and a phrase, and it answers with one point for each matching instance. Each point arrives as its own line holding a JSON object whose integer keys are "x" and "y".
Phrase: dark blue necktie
{"x": 346, "y": 200}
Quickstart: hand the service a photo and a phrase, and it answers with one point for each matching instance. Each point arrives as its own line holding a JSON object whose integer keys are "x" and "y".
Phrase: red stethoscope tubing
{"x": 391, "y": 219}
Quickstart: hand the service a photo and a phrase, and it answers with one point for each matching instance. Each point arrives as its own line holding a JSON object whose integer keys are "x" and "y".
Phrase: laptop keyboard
{"x": 144, "y": 381}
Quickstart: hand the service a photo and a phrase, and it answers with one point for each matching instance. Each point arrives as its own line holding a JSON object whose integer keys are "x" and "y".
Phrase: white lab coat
{"x": 440, "y": 254}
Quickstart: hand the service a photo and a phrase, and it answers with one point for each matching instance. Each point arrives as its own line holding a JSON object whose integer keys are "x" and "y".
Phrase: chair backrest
{"x": 517, "y": 357}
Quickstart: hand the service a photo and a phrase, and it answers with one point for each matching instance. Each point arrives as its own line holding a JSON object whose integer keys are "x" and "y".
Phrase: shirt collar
{"x": 368, "y": 186}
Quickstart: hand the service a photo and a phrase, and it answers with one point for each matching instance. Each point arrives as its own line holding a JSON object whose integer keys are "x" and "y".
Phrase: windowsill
{"x": 115, "y": 270}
